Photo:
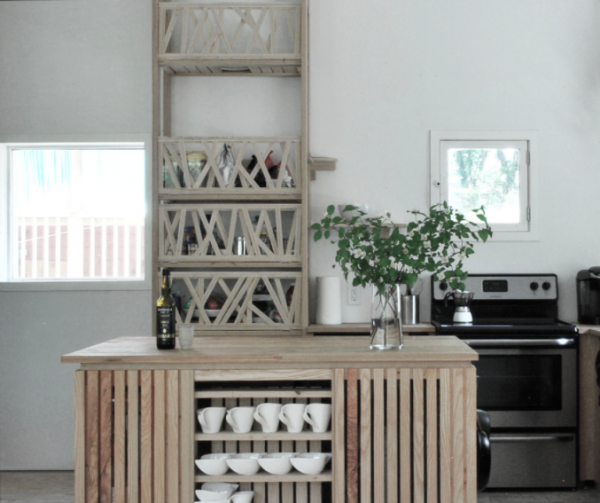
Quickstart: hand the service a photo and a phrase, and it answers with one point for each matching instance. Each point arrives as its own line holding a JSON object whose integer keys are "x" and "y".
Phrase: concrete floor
{"x": 57, "y": 487}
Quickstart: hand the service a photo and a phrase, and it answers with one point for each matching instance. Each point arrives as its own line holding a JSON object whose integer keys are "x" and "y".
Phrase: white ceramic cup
{"x": 211, "y": 419}
{"x": 242, "y": 497}
{"x": 318, "y": 416}
{"x": 291, "y": 415}
{"x": 186, "y": 336}
{"x": 267, "y": 415}
{"x": 241, "y": 418}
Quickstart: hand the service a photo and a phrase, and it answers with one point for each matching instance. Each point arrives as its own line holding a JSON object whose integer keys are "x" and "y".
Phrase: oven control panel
{"x": 505, "y": 287}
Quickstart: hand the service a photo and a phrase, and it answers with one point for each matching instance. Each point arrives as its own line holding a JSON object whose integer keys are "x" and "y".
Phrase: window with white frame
{"x": 75, "y": 213}
{"x": 494, "y": 170}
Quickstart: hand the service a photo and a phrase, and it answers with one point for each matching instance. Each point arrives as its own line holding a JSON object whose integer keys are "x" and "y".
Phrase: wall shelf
{"x": 293, "y": 476}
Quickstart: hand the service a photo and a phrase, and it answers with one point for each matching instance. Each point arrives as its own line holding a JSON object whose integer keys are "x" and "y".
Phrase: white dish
{"x": 213, "y": 312}
{"x": 216, "y": 491}
{"x": 213, "y": 464}
{"x": 244, "y": 464}
{"x": 242, "y": 497}
{"x": 277, "y": 463}
{"x": 310, "y": 463}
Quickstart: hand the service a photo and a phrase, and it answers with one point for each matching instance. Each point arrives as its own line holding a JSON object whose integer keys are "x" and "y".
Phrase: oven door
{"x": 527, "y": 383}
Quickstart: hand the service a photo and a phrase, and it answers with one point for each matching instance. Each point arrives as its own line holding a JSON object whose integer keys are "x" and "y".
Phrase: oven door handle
{"x": 565, "y": 437}
{"x": 475, "y": 343}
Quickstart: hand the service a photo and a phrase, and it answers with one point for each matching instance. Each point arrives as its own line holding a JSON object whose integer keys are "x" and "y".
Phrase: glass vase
{"x": 386, "y": 326}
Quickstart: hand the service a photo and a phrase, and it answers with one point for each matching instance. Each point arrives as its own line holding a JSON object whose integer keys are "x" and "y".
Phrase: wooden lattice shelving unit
{"x": 262, "y": 196}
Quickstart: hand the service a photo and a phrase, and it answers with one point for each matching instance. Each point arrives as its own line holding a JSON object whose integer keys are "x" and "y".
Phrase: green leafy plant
{"x": 378, "y": 253}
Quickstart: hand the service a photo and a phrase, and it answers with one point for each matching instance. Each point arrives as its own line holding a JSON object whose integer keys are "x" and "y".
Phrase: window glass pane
{"x": 488, "y": 177}
{"x": 77, "y": 214}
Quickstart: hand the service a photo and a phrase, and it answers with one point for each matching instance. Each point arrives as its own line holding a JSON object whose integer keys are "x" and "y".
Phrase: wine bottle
{"x": 165, "y": 316}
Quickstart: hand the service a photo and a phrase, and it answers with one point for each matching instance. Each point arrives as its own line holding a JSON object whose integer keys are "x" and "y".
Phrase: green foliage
{"x": 376, "y": 252}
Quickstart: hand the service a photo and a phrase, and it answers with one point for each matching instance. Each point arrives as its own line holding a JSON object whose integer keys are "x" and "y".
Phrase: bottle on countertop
{"x": 165, "y": 315}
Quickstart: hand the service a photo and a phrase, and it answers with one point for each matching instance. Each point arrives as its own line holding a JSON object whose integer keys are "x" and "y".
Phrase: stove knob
{"x": 534, "y": 286}
{"x": 546, "y": 285}
{"x": 443, "y": 285}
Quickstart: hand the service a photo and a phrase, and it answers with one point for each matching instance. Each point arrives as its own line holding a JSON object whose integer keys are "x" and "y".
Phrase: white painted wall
{"x": 79, "y": 69}
{"x": 383, "y": 74}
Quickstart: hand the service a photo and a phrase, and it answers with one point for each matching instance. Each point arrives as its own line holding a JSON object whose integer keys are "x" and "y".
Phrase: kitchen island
{"x": 589, "y": 403}
{"x": 403, "y": 423}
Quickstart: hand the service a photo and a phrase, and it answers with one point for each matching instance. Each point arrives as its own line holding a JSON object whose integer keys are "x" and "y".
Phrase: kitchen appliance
{"x": 588, "y": 296}
{"x": 527, "y": 375}
{"x": 462, "y": 312}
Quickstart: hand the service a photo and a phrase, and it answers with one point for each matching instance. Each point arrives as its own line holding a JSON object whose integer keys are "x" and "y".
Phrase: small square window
{"x": 76, "y": 213}
{"x": 473, "y": 169}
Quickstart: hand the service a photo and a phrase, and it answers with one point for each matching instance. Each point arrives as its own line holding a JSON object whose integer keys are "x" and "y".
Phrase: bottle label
{"x": 165, "y": 322}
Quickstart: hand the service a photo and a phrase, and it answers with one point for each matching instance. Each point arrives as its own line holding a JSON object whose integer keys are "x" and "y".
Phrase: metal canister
{"x": 239, "y": 246}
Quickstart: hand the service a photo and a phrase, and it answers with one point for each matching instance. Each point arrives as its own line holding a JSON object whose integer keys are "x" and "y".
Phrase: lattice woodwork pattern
{"x": 208, "y": 39}
{"x": 132, "y": 436}
{"x": 410, "y": 435}
{"x": 283, "y": 176}
{"x": 241, "y": 304}
{"x": 271, "y": 233}
{"x": 267, "y": 489}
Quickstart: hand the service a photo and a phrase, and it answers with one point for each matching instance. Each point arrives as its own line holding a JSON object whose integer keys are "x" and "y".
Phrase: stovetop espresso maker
{"x": 462, "y": 301}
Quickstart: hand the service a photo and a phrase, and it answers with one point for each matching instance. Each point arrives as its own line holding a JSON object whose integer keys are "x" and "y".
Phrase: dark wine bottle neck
{"x": 166, "y": 288}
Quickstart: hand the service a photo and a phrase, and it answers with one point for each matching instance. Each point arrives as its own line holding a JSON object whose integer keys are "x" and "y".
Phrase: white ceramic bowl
{"x": 310, "y": 463}
{"x": 245, "y": 463}
{"x": 369, "y": 209}
{"x": 213, "y": 464}
{"x": 277, "y": 463}
{"x": 242, "y": 497}
{"x": 215, "y": 491}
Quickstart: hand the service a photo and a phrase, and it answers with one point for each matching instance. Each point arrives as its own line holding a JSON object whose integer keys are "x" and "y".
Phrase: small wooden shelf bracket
{"x": 320, "y": 164}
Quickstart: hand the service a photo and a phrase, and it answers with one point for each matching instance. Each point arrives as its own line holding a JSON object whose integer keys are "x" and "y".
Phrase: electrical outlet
{"x": 353, "y": 296}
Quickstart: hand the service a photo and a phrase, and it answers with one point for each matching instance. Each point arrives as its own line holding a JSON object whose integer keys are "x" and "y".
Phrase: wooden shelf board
{"x": 365, "y": 328}
{"x": 265, "y": 195}
{"x": 264, "y": 394}
{"x": 261, "y": 476}
{"x": 259, "y": 436}
{"x": 165, "y": 262}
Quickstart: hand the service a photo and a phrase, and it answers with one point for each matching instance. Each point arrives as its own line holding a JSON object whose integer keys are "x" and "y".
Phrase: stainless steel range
{"x": 527, "y": 375}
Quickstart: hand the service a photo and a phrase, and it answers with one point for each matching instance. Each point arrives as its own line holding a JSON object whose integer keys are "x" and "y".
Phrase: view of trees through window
{"x": 488, "y": 177}
{"x": 77, "y": 214}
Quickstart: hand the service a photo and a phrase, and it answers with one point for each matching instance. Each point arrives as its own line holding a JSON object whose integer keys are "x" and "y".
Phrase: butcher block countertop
{"x": 589, "y": 329}
{"x": 274, "y": 352}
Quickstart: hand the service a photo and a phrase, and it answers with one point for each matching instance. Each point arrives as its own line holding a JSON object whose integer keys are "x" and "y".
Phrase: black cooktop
{"x": 506, "y": 327}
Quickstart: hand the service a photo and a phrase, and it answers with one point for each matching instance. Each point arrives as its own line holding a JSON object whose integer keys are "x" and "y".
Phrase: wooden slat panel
{"x": 92, "y": 411}
{"x": 392, "y": 435}
{"x": 458, "y": 435}
{"x": 378, "y": 436}
{"x": 186, "y": 446}
{"x": 159, "y": 436}
{"x": 405, "y": 436}
{"x": 352, "y": 435}
{"x": 245, "y": 446}
{"x": 259, "y": 446}
{"x": 146, "y": 461}
{"x": 431, "y": 433}
{"x": 119, "y": 437}
{"x": 287, "y": 488}
{"x": 445, "y": 437}
{"x": 338, "y": 447}
{"x": 80, "y": 436}
{"x": 172, "y": 455}
{"x": 471, "y": 438}
{"x": 418, "y": 437}
{"x": 273, "y": 487}
{"x": 301, "y": 487}
{"x": 133, "y": 428}
{"x": 365, "y": 436}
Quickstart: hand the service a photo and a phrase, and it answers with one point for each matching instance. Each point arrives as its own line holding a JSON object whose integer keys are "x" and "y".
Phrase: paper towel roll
{"x": 329, "y": 301}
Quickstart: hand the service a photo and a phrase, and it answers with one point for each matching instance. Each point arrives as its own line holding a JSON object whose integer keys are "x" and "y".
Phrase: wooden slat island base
{"x": 403, "y": 425}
